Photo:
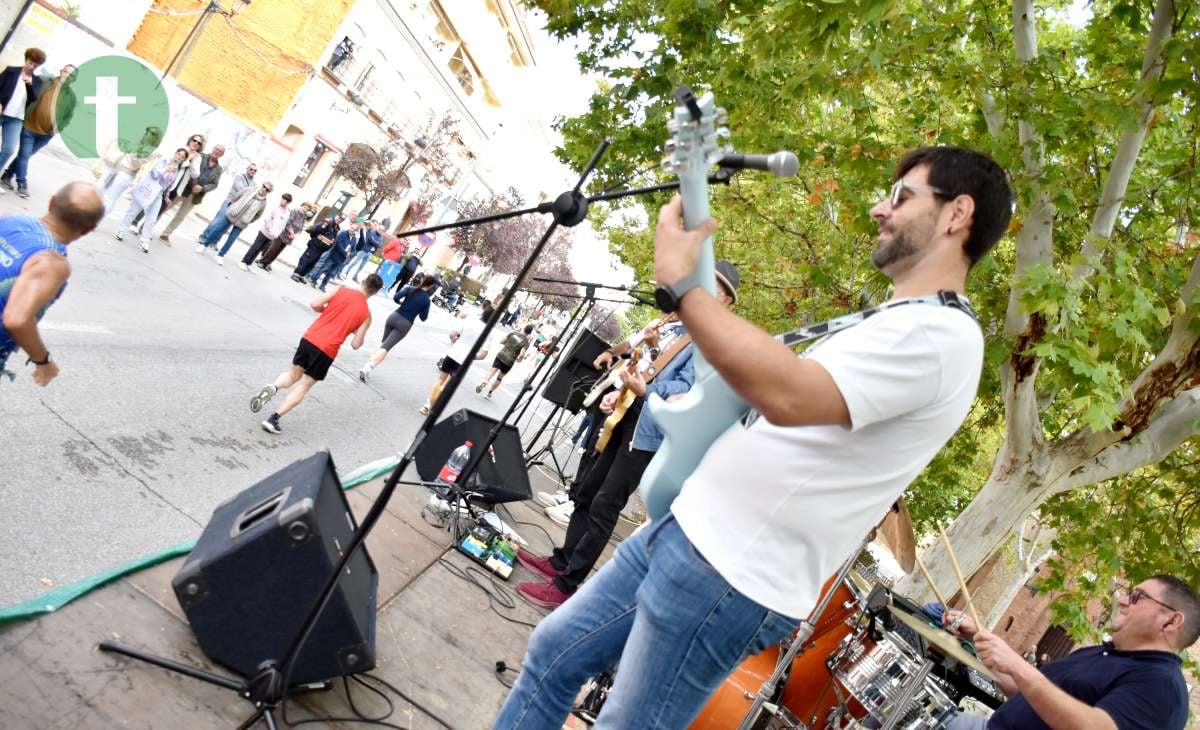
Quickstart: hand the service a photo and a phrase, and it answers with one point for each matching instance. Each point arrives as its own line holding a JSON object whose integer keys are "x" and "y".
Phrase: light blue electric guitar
{"x": 692, "y": 423}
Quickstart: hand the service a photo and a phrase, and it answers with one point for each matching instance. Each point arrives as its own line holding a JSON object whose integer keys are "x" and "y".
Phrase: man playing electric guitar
{"x": 601, "y": 494}
{"x": 782, "y": 497}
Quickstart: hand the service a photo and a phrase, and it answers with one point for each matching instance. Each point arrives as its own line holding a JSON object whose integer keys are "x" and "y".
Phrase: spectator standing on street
{"x": 243, "y": 210}
{"x": 320, "y": 239}
{"x": 332, "y": 261}
{"x": 148, "y": 196}
{"x": 341, "y": 312}
{"x": 414, "y": 302}
{"x": 367, "y": 245}
{"x": 296, "y": 220}
{"x": 203, "y": 183}
{"x": 389, "y": 257}
{"x": 121, "y": 167}
{"x": 19, "y": 86}
{"x": 187, "y": 172}
{"x": 271, "y": 229}
{"x": 54, "y": 105}
{"x": 34, "y": 271}
{"x": 463, "y": 338}
{"x": 221, "y": 222}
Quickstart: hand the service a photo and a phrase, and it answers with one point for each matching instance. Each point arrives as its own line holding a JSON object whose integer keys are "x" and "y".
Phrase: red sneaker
{"x": 541, "y": 566}
{"x": 546, "y": 595}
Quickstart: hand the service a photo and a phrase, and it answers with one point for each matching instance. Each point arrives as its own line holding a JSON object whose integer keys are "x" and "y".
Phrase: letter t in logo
{"x": 107, "y": 102}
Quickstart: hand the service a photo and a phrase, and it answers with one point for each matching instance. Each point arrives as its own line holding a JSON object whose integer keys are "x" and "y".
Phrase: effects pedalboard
{"x": 488, "y": 547}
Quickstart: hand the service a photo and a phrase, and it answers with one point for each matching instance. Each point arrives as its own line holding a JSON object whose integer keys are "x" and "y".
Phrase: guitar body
{"x": 624, "y": 401}
{"x": 693, "y": 422}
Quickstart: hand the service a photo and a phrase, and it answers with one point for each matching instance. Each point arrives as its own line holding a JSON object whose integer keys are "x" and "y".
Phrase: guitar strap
{"x": 945, "y": 298}
{"x": 667, "y": 355}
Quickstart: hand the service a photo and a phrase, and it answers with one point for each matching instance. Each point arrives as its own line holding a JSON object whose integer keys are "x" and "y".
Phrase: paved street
{"x": 147, "y": 428}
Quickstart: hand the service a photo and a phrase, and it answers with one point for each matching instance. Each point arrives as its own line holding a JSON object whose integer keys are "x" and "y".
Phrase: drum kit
{"x": 866, "y": 657}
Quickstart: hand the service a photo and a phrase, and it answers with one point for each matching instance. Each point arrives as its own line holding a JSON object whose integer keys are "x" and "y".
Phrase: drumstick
{"x": 961, "y": 583}
{"x": 932, "y": 586}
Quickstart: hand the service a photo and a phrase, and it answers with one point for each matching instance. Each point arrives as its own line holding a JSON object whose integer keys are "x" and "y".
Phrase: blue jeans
{"x": 361, "y": 258}
{"x": 674, "y": 624}
{"x": 31, "y": 144}
{"x": 217, "y": 226}
{"x": 10, "y": 138}
{"x": 325, "y": 269}
{"x": 233, "y": 234}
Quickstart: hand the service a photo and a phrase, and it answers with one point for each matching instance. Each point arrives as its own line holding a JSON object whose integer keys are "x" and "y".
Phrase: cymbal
{"x": 896, "y": 534}
{"x": 943, "y": 641}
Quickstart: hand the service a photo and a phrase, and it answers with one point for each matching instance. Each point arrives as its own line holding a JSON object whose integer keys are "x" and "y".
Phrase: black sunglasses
{"x": 1138, "y": 594}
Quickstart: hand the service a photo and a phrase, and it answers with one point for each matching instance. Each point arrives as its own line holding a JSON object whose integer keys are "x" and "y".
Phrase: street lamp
{"x": 198, "y": 30}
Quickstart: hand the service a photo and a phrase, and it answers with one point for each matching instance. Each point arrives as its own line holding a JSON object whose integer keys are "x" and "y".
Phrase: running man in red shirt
{"x": 342, "y": 312}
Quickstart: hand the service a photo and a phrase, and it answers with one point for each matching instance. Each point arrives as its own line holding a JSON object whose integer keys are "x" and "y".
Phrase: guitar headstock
{"x": 696, "y": 127}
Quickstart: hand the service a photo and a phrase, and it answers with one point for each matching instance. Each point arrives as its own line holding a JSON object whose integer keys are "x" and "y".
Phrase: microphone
{"x": 779, "y": 164}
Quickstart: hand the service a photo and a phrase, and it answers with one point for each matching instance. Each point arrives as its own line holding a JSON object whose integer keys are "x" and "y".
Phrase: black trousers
{"x": 401, "y": 280}
{"x": 599, "y": 498}
{"x": 260, "y": 244}
{"x": 309, "y": 258}
{"x": 272, "y": 253}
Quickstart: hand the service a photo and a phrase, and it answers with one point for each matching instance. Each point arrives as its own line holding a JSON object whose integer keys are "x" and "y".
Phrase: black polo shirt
{"x": 1140, "y": 690}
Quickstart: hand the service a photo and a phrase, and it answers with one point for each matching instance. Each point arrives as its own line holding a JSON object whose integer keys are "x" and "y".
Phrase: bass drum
{"x": 809, "y": 693}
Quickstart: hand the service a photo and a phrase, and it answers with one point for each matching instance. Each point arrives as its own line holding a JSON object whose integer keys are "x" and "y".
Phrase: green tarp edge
{"x": 59, "y": 597}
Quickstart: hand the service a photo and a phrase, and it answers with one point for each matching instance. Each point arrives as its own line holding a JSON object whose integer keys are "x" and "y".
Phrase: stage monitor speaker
{"x": 571, "y": 382}
{"x": 501, "y": 476}
{"x": 259, "y": 565}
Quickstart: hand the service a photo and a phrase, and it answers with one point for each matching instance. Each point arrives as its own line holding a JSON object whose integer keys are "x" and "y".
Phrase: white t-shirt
{"x": 471, "y": 327}
{"x": 776, "y": 510}
{"x": 16, "y": 103}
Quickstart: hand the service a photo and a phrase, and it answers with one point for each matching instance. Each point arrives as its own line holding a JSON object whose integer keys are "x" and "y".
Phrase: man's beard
{"x": 900, "y": 248}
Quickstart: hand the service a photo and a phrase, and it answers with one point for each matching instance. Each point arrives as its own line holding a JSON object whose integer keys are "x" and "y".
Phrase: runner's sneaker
{"x": 144, "y": 247}
{"x": 267, "y": 393}
{"x": 220, "y": 261}
{"x": 551, "y": 499}
{"x": 243, "y": 266}
{"x": 271, "y": 425}
{"x": 22, "y": 191}
{"x": 479, "y": 388}
{"x": 488, "y": 394}
{"x": 200, "y": 248}
{"x": 561, "y": 515}
{"x": 119, "y": 236}
{"x": 423, "y": 410}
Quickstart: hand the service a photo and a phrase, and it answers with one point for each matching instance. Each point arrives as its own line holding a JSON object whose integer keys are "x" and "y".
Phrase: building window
{"x": 462, "y": 72}
{"x": 306, "y": 170}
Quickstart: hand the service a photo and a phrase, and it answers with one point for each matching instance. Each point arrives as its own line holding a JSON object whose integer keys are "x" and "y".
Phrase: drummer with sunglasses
{"x": 1133, "y": 681}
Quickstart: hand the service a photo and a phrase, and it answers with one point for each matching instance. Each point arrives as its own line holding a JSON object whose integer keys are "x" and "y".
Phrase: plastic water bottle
{"x": 454, "y": 465}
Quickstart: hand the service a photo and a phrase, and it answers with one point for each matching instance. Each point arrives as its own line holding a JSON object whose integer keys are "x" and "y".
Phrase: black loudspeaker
{"x": 259, "y": 565}
{"x": 501, "y": 476}
{"x": 572, "y": 381}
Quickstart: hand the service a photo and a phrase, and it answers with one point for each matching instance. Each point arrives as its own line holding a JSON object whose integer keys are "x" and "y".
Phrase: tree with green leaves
{"x": 1089, "y": 306}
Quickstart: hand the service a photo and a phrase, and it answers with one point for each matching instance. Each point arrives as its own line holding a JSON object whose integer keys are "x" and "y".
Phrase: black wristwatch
{"x": 44, "y": 361}
{"x": 668, "y": 296}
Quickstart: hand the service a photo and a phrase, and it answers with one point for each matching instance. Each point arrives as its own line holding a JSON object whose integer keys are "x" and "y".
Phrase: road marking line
{"x": 94, "y": 329}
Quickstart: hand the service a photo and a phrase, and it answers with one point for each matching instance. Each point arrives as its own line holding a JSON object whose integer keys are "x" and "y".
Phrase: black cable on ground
{"x": 501, "y": 595}
{"x": 359, "y": 716}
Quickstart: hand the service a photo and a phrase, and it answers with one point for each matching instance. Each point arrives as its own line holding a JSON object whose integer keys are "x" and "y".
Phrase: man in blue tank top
{"x": 34, "y": 271}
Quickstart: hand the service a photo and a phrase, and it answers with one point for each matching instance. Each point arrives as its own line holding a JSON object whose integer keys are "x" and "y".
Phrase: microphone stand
{"x": 269, "y": 687}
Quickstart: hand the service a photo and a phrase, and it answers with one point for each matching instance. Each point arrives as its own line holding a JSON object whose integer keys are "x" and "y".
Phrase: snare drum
{"x": 808, "y": 693}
